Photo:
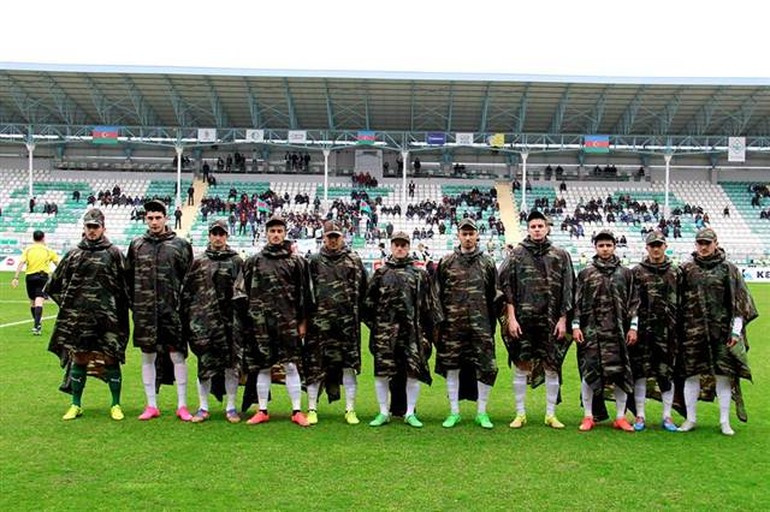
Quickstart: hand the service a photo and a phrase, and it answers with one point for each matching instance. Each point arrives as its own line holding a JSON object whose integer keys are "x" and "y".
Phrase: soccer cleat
{"x": 380, "y": 420}
{"x": 312, "y": 417}
{"x": 183, "y": 414}
{"x": 149, "y": 413}
{"x": 37, "y": 330}
{"x": 686, "y": 426}
{"x": 413, "y": 421}
{"x": 639, "y": 424}
{"x": 351, "y": 418}
{"x": 260, "y": 417}
{"x": 519, "y": 421}
{"x": 451, "y": 421}
{"x": 587, "y": 424}
{"x": 726, "y": 429}
{"x": 482, "y": 420}
{"x": 75, "y": 411}
{"x": 116, "y": 412}
{"x": 300, "y": 419}
{"x": 233, "y": 416}
{"x": 553, "y": 422}
{"x": 201, "y": 415}
{"x": 668, "y": 425}
{"x": 622, "y": 424}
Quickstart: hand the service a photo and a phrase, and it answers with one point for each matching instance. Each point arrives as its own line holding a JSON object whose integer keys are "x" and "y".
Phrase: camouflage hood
{"x": 94, "y": 245}
{"x": 717, "y": 258}
{"x": 224, "y": 254}
{"x": 399, "y": 262}
{"x": 656, "y": 268}
{"x": 606, "y": 266}
{"x": 279, "y": 251}
{"x": 335, "y": 255}
{"x": 536, "y": 248}
{"x": 468, "y": 257}
{"x": 167, "y": 234}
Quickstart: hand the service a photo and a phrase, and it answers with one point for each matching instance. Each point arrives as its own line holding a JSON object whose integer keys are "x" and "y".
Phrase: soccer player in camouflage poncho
{"x": 274, "y": 282}
{"x": 333, "y": 344}
{"x": 537, "y": 279}
{"x": 605, "y": 322}
{"x": 466, "y": 283}
{"x": 716, "y": 308}
{"x": 157, "y": 264}
{"x": 654, "y": 353}
{"x": 401, "y": 312}
{"x": 207, "y": 319}
{"x": 92, "y": 326}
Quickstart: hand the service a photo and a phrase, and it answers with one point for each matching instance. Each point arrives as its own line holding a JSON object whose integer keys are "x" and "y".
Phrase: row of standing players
{"x": 679, "y": 332}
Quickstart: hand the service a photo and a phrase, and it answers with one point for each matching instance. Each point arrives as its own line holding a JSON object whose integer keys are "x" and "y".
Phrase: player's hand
{"x": 14, "y": 282}
{"x": 514, "y": 329}
{"x": 302, "y": 328}
{"x": 631, "y": 337}
{"x": 561, "y": 328}
{"x": 732, "y": 341}
{"x": 577, "y": 335}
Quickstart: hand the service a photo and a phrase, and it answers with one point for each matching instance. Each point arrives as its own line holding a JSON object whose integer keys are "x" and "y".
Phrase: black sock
{"x": 38, "y": 315}
{"x": 32, "y": 312}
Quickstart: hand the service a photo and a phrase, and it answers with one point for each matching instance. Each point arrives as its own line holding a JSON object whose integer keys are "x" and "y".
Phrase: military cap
{"x": 536, "y": 214}
{"x": 219, "y": 224}
{"x": 706, "y": 234}
{"x": 332, "y": 228}
{"x": 274, "y": 220}
{"x": 155, "y": 206}
{"x": 93, "y": 217}
{"x": 655, "y": 237}
{"x": 605, "y": 234}
{"x": 400, "y": 235}
{"x": 467, "y": 223}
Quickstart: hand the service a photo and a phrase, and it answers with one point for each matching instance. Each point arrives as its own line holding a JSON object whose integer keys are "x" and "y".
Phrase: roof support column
{"x": 179, "y": 150}
{"x": 524, "y": 156}
{"x": 30, "y": 158}
{"x": 405, "y": 159}
{"x": 327, "y": 152}
{"x": 667, "y": 156}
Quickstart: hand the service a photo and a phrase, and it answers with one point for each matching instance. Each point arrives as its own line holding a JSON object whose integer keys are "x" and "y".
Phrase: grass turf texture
{"x": 97, "y": 463}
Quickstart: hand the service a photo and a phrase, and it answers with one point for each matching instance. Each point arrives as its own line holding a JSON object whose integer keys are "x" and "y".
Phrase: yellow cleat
{"x": 312, "y": 417}
{"x": 553, "y": 422}
{"x": 73, "y": 412}
{"x": 351, "y": 418}
{"x": 116, "y": 412}
{"x": 519, "y": 421}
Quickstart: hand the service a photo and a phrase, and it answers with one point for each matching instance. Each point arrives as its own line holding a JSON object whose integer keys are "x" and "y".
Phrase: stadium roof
{"x": 60, "y": 99}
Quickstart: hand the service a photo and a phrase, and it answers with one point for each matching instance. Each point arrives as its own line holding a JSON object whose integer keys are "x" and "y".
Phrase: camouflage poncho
{"x": 338, "y": 284}
{"x": 156, "y": 268}
{"x": 89, "y": 285}
{"x": 466, "y": 285}
{"x": 605, "y": 302}
{"x": 654, "y": 354}
{"x": 401, "y": 311}
{"x": 713, "y": 293}
{"x": 207, "y": 311}
{"x": 537, "y": 278}
{"x": 274, "y": 284}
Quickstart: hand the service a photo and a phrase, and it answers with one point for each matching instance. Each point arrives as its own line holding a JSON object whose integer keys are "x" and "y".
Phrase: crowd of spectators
{"x": 364, "y": 179}
{"x": 297, "y": 161}
{"x": 759, "y": 193}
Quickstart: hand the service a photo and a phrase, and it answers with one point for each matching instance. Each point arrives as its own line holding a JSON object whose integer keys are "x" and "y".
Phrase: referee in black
{"x": 38, "y": 258}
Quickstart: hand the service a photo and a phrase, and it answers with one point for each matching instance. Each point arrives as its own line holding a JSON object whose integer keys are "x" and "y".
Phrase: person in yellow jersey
{"x": 37, "y": 258}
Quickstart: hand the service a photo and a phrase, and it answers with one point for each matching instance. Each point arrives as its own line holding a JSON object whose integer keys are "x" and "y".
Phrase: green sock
{"x": 78, "y": 381}
{"x": 115, "y": 381}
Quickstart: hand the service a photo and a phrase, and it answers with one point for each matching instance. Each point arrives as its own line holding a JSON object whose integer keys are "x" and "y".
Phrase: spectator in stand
{"x": 190, "y": 196}
{"x": 726, "y": 211}
{"x": 178, "y": 218}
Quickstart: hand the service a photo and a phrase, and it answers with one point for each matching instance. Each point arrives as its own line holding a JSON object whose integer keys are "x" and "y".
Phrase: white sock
{"x": 350, "y": 384}
{"x": 148, "y": 377}
{"x": 264, "y": 379}
{"x": 724, "y": 394}
{"x": 180, "y": 375}
{"x": 691, "y": 394}
{"x": 312, "y": 395}
{"x": 520, "y": 389}
{"x": 483, "y": 389}
{"x": 667, "y": 397}
{"x": 412, "y": 394}
{"x": 294, "y": 386}
{"x": 231, "y": 387}
{"x": 620, "y": 403}
{"x": 551, "y": 392}
{"x": 640, "y": 396}
{"x": 204, "y": 388}
{"x": 588, "y": 399}
{"x": 453, "y": 390}
{"x": 381, "y": 389}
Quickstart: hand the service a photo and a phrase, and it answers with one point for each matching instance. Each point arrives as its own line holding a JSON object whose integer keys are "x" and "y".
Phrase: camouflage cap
{"x": 467, "y": 223}
{"x": 332, "y": 228}
{"x": 155, "y": 206}
{"x": 605, "y": 234}
{"x": 219, "y": 224}
{"x": 93, "y": 217}
{"x": 274, "y": 220}
{"x": 655, "y": 237}
{"x": 401, "y": 235}
{"x": 706, "y": 234}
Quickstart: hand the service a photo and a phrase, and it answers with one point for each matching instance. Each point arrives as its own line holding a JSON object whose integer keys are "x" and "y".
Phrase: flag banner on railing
{"x": 596, "y": 143}
{"x": 736, "y": 149}
{"x": 496, "y": 140}
{"x": 297, "y": 136}
{"x": 207, "y": 134}
{"x": 435, "y": 138}
{"x": 464, "y": 138}
{"x": 105, "y": 134}
{"x": 366, "y": 137}
{"x": 255, "y": 135}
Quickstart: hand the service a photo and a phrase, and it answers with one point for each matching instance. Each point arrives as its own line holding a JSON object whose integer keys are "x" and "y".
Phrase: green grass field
{"x": 96, "y": 463}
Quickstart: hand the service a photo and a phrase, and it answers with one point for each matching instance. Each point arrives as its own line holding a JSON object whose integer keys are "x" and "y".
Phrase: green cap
{"x": 655, "y": 237}
{"x": 706, "y": 234}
